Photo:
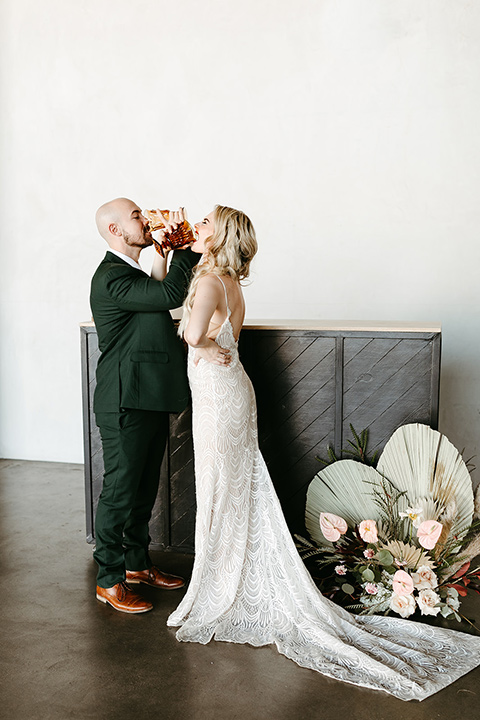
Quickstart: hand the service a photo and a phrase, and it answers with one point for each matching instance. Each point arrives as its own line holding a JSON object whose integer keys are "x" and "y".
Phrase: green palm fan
{"x": 425, "y": 464}
{"x": 343, "y": 488}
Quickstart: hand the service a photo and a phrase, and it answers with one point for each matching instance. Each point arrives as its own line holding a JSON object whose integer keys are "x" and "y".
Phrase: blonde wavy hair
{"x": 230, "y": 251}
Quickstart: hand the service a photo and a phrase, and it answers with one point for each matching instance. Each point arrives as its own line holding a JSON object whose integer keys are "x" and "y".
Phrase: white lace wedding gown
{"x": 249, "y": 585}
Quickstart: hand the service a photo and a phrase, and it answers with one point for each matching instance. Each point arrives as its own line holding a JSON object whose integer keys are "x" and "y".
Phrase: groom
{"x": 141, "y": 377}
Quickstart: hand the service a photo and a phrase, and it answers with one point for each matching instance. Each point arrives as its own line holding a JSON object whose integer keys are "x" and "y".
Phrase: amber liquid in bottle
{"x": 182, "y": 235}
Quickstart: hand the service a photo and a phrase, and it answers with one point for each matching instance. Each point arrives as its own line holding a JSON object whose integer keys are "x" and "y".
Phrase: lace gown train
{"x": 249, "y": 585}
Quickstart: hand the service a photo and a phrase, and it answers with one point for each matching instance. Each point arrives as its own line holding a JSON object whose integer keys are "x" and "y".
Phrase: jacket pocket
{"x": 149, "y": 356}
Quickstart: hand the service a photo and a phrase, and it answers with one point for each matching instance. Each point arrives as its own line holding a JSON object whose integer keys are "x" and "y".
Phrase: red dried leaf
{"x": 461, "y": 571}
{"x": 462, "y": 591}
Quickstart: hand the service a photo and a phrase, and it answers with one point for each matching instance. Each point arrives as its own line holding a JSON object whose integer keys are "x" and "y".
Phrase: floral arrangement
{"x": 399, "y": 538}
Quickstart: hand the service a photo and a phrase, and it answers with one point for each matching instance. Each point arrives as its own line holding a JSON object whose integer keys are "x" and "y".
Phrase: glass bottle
{"x": 183, "y": 234}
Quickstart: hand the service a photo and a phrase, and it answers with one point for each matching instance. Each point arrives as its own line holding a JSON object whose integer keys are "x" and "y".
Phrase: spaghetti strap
{"x": 226, "y": 296}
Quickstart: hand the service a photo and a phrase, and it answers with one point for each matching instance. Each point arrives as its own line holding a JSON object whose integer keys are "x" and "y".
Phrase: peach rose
{"x": 368, "y": 531}
{"x": 424, "y": 578}
{"x": 428, "y": 533}
{"x": 332, "y": 526}
{"x": 404, "y": 605}
{"x": 402, "y": 583}
{"x": 428, "y": 602}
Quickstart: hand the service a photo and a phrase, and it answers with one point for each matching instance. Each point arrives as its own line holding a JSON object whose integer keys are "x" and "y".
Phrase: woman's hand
{"x": 175, "y": 218}
{"x": 208, "y": 296}
{"x": 164, "y": 242}
{"x": 161, "y": 241}
{"x": 212, "y": 353}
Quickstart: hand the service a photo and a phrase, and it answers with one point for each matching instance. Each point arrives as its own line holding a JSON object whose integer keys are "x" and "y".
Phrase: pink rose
{"x": 369, "y": 553}
{"x": 341, "y": 570}
{"x": 332, "y": 526}
{"x": 371, "y": 588}
{"x": 368, "y": 531}
{"x": 428, "y": 533}
{"x": 402, "y": 583}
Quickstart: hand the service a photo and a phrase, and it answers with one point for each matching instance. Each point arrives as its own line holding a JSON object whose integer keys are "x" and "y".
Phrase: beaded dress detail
{"x": 249, "y": 584}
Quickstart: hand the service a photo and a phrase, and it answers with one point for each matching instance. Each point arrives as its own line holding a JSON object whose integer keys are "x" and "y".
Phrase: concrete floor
{"x": 65, "y": 655}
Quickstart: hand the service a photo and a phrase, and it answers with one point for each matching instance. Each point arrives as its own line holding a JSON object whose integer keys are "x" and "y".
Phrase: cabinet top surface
{"x": 335, "y": 325}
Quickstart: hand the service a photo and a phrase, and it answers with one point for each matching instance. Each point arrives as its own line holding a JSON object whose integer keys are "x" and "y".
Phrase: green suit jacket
{"x": 142, "y": 361}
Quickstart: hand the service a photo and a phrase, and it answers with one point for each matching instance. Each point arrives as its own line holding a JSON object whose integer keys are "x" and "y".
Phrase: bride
{"x": 249, "y": 584}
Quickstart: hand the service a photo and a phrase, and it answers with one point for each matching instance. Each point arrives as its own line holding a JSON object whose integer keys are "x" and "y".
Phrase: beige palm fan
{"x": 425, "y": 464}
{"x": 343, "y": 488}
{"x": 416, "y": 459}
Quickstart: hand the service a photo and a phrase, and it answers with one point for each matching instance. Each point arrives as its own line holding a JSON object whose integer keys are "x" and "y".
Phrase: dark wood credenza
{"x": 311, "y": 380}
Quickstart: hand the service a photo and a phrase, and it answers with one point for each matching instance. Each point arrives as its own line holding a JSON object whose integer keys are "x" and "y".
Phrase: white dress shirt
{"x": 127, "y": 259}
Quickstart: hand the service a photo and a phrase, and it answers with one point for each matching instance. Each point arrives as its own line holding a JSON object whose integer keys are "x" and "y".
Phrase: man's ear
{"x": 114, "y": 230}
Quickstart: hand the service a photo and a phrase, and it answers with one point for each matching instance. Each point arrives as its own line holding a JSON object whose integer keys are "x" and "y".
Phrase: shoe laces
{"x": 123, "y": 590}
{"x": 151, "y": 573}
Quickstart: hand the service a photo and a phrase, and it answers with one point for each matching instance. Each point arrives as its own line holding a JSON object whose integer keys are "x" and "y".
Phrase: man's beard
{"x": 142, "y": 241}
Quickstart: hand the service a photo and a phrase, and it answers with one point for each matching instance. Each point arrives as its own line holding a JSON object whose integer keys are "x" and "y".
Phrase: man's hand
{"x": 212, "y": 353}
{"x": 161, "y": 242}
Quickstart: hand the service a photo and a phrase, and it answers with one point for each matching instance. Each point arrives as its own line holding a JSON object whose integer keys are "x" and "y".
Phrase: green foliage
{"x": 468, "y": 462}
{"x": 331, "y": 457}
{"x": 368, "y": 575}
{"x": 386, "y": 497}
{"x": 357, "y": 450}
{"x": 384, "y": 557}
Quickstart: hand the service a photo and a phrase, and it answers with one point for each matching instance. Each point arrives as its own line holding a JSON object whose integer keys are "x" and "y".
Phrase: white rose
{"x": 424, "y": 578}
{"x": 427, "y": 600}
{"x": 404, "y": 605}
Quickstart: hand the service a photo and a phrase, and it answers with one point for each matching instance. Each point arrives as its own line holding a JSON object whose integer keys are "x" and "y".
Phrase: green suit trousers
{"x": 134, "y": 443}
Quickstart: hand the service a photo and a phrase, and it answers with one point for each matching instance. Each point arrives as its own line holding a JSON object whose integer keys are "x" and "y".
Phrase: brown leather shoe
{"x": 156, "y": 578}
{"x": 123, "y": 598}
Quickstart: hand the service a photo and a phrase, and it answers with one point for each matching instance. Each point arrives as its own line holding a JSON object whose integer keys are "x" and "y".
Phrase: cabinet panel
{"x": 386, "y": 383}
{"x": 295, "y": 388}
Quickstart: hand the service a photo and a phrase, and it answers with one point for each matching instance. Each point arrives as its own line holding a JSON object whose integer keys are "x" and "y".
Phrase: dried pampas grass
{"x": 477, "y": 504}
{"x": 469, "y": 553}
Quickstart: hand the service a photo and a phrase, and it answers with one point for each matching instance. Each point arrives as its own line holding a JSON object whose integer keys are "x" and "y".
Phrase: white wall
{"x": 347, "y": 129}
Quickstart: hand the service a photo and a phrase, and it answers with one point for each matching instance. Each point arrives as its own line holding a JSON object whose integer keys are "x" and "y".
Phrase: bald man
{"x": 141, "y": 378}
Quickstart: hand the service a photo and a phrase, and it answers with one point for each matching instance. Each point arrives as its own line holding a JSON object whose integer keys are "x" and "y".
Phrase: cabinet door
{"x": 388, "y": 382}
{"x": 293, "y": 374}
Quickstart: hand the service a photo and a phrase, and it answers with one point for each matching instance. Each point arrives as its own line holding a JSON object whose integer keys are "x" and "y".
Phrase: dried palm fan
{"x": 417, "y": 460}
{"x": 343, "y": 488}
{"x": 425, "y": 464}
